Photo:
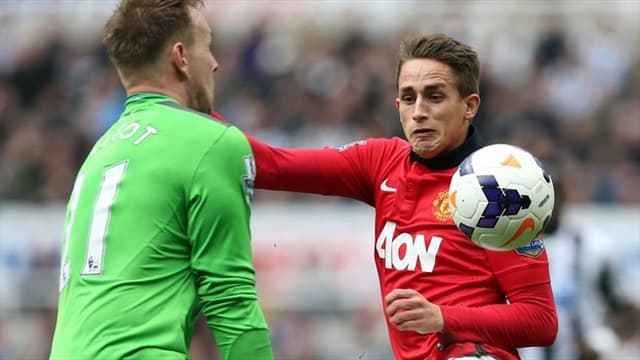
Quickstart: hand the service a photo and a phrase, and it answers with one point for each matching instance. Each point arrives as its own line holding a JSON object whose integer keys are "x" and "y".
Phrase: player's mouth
{"x": 423, "y": 133}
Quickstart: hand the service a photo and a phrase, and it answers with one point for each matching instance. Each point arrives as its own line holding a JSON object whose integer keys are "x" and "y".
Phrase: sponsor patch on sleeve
{"x": 532, "y": 249}
{"x": 249, "y": 178}
{"x": 346, "y": 146}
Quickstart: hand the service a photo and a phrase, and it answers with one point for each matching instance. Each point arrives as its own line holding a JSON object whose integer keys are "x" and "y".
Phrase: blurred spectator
{"x": 580, "y": 89}
{"x": 625, "y": 321}
{"x": 581, "y": 264}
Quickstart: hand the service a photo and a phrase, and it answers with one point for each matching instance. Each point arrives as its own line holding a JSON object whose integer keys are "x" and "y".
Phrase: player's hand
{"x": 409, "y": 310}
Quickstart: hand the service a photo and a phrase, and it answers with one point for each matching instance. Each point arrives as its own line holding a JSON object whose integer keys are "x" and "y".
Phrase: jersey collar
{"x": 454, "y": 157}
{"x": 148, "y": 97}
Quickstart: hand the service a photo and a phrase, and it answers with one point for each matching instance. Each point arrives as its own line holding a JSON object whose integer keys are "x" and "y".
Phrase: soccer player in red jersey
{"x": 445, "y": 298}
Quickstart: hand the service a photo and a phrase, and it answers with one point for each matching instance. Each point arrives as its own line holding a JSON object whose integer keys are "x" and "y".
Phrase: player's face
{"x": 203, "y": 65}
{"x": 434, "y": 117}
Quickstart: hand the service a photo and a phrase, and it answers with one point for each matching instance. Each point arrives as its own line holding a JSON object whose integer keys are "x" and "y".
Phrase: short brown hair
{"x": 138, "y": 30}
{"x": 442, "y": 48}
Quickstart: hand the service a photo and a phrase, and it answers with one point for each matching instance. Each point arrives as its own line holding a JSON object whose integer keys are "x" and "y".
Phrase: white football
{"x": 501, "y": 197}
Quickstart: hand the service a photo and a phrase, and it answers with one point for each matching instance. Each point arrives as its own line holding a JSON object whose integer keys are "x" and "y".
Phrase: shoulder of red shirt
{"x": 214, "y": 114}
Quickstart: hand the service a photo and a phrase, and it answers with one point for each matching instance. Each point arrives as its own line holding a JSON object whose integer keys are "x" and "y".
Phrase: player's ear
{"x": 179, "y": 59}
{"x": 472, "y": 104}
{"x": 397, "y": 103}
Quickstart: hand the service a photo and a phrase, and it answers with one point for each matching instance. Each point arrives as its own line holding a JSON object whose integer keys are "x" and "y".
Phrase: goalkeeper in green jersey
{"x": 157, "y": 225}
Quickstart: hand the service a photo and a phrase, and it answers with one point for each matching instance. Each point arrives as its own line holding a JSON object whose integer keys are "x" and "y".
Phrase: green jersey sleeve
{"x": 219, "y": 223}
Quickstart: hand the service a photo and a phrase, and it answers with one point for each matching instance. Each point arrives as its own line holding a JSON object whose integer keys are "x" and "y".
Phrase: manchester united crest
{"x": 441, "y": 206}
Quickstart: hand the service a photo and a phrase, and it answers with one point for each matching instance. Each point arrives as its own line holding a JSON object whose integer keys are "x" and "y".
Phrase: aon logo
{"x": 415, "y": 250}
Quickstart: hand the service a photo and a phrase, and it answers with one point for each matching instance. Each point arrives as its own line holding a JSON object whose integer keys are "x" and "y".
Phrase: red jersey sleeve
{"x": 530, "y": 317}
{"x": 345, "y": 171}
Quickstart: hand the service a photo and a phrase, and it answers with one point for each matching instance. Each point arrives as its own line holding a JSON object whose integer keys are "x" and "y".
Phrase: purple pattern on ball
{"x": 487, "y": 222}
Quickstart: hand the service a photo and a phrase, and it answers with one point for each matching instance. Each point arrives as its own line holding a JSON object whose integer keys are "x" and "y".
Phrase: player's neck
{"x": 147, "y": 88}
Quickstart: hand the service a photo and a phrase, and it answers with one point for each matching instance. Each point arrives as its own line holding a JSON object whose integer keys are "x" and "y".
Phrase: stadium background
{"x": 560, "y": 78}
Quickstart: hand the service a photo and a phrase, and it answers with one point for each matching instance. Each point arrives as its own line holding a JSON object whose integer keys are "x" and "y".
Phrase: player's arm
{"x": 529, "y": 319}
{"x": 221, "y": 260}
{"x": 340, "y": 172}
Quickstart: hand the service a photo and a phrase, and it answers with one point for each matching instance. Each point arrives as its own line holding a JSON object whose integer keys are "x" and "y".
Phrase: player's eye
{"x": 436, "y": 97}
{"x": 407, "y": 99}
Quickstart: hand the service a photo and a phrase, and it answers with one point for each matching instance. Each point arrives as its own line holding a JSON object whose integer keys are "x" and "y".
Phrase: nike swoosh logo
{"x": 526, "y": 224}
{"x": 385, "y": 187}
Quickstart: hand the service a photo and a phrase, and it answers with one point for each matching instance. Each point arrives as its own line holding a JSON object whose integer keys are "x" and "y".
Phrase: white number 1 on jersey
{"x": 93, "y": 261}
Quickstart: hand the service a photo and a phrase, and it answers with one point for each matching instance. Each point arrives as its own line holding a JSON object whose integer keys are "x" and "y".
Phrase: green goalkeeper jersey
{"x": 157, "y": 230}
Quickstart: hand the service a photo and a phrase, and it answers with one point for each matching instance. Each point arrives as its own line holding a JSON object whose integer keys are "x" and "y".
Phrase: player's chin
{"x": 204, "y": 100}
{"x": 205, "y": 108}
{"x": 206, "y": 105}
{"x": 426, "y": 150}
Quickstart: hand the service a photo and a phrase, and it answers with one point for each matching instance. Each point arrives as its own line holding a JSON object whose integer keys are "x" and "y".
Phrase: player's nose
{"x": 214, "y": 64}
{"x": 419, "y": 112}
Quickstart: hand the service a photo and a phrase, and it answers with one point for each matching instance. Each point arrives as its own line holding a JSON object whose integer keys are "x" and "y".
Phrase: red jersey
{"x": 418, "y": 246}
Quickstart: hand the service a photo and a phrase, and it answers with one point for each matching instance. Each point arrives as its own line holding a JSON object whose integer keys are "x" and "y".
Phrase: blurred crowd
{"x": 565, "y": 88}
{"x": 568, "y": 94}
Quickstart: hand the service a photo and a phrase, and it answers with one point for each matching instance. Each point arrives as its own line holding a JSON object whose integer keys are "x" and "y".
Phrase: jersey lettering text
{"x": 390, "y": 249}
{"x": 129, "y": 131}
